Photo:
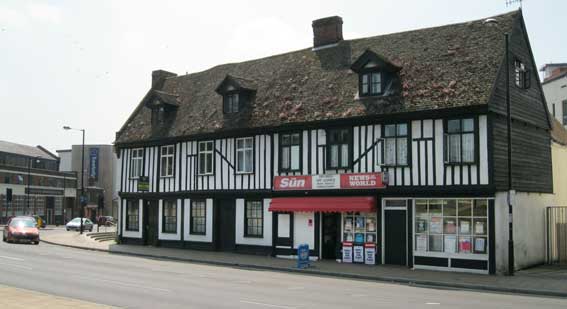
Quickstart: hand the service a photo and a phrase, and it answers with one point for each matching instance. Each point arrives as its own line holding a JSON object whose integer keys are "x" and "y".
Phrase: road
{"x": 135, "y": 282}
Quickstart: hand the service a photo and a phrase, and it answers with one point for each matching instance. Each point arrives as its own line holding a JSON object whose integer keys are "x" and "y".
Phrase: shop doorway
{"x": 225, "y": 228}
{"x": 151, "y": 222}
{"x": 395, "y": 236}
{"x": 331, "y": 236}
{"x": 284, "y": 229}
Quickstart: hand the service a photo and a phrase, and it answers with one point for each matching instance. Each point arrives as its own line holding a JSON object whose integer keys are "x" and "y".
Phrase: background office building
{"x": 99, "y": 162}
{"x": 31, "y": 184}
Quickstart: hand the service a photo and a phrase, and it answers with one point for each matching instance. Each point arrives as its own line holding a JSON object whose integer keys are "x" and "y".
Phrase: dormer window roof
{"x": 236, "y": 92}
{"x": 374, "y": 74}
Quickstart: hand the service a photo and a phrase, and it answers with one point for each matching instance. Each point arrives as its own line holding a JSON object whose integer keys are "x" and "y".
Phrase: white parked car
{"x": 75, "y": 225}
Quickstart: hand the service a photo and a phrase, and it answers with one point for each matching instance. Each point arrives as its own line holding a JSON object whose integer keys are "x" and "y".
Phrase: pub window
{"x": 167, "y": 161}
{"x": 338, "y": 148}
{"x": 169, "y": 217}
{"x": 522, "y": 76}
{"x": 205, "y": 158}
{"x": 290, "y": 152}
{"x": 370, "y": 83}
{"x": 564, "y": 112}
{"x": 198, "y": 217}
{"x": 395, "y": 144}
{"x": 459, "y": 141}
{"x": 244, "y": 155}
{"x": 132, "y": 216}
{"x": 254, "y": 219}
{"x": 136, "y": 163}
{"x": 231, "y": 104}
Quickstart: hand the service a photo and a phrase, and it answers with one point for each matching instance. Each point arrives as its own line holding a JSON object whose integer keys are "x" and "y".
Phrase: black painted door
{"x": 331, "y": 235}
{"x": 151, "y": 222}
{"x": 395, "y": 237}
{"x": 226, "y": 225}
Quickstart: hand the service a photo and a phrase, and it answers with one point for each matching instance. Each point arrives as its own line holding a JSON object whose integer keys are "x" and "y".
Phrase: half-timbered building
{"x": 388, "y": 149}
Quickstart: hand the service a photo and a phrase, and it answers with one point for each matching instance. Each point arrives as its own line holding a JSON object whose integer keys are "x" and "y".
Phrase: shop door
{"x": 395, "y": 237}
{"x": 331, "y": 235}
{"x": 151, "y": 216}
{"x": 49, "y": 217}
{"x": 285, "y": 229}
{"x": 226, "y": 225}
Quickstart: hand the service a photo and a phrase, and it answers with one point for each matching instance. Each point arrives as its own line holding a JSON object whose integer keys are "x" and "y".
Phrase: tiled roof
{"x": 442, "y": 67}
{"x": 25, "y": 150}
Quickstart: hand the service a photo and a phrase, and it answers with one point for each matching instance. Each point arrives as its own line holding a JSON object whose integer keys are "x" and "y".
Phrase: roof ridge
{"x": 514, "y": 12}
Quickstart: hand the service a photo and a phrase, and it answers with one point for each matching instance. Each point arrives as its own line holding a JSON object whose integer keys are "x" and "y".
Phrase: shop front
{"x": 344, "y": 228}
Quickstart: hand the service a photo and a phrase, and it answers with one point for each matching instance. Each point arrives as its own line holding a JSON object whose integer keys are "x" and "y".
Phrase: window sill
{"x": 460, "y": 163}
{"x": 392, "y": 165}
{"x": 253, "y": 236}
{"x": 205, "y": 174}
{"x": 197, "y": 234}
{"x": 168, "y": 176}
{"x": 244, "y": 173}
{"x": 171, "y": 233}
{"x": 126, "y": 230}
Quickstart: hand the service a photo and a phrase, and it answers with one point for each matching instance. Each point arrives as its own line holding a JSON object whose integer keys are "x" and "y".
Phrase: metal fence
{"x": 556, "y": 224}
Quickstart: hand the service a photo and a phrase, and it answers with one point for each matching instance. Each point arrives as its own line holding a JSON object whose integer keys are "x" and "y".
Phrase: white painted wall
{"x": 132, "y": 234}
{"x": 529, "y": 229}
{"x": 302, "y": 232}
{"x": 208, "y": 237}
{"x": 169, "y": 236}
{"x": 555, "y": 92}
{"x": 266, "y": 240}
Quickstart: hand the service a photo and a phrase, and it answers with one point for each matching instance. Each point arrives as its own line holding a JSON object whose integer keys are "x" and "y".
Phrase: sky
{"x": 87, "y": 64}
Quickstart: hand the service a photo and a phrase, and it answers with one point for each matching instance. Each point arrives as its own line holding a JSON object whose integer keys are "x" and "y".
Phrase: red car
{"x": 21, "y": 229}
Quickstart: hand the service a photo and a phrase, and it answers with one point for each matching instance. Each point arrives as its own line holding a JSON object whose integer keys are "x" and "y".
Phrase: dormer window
{"x": 370, "y": 83}
{"x": 231, "y": 103}
{"x": 376, "y": 75}
{"x": 236, "y": 93}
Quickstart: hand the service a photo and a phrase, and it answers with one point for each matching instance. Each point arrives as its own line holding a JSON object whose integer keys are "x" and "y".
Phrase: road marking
{"x": 17, "y": 266}
{"x": 358, "y": 295}
{"x": 264, "y": 304}
{"x": 11, "y": 258}
{"x": 126, "y": 284}
{"x": 433, "y": 303}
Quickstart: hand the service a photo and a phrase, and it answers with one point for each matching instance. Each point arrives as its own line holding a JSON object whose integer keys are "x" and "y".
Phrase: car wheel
{"x": 67, "y": 229}
{"x": 36, "y": 242}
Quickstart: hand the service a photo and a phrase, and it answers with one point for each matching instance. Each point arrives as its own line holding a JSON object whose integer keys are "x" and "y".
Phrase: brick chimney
{"x": 327, "y": 31}
{"x": 158, "y": 76}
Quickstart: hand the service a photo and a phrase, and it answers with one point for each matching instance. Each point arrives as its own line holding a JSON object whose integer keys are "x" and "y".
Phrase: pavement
{"x": 543, "y": 281}
{"x": 137, "y": 282}
{"x": 19, "y": 298}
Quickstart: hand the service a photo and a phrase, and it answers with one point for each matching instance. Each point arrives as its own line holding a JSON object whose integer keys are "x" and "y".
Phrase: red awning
{"x": 323, "y": 204}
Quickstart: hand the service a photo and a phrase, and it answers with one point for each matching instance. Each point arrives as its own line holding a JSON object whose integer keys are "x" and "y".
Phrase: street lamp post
{"x": 29, "y": 182}
{"x": 82, "y": 175}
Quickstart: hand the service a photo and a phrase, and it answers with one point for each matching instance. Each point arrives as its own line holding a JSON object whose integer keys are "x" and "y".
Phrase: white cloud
{"x": 11, "y": 18}
{"x": 44, "y": 12}
{"x": 262, "y": 37}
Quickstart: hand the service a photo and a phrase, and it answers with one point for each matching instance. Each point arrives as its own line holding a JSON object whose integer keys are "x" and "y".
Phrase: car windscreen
{"x": 22, "y": 223}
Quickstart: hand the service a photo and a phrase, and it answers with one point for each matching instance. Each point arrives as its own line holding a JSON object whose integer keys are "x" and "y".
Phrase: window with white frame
{"x": 198, "y": 217}
{"x": 454, "y": 226}
{"x": 290, "y": 152}
{"x": 254, "y": 219}
{"x": 370, "y": 83}
{"x": 136, "y": 163}
{"x": 206, "y": 158}
{"x": 245, "y": 155}
{"x": 395, "y": 144}
{"x": 167, "y": 161}
{"x": 460, "y": 141}
{"x": 132, "y": 215}
{"x": 169, "y": 221}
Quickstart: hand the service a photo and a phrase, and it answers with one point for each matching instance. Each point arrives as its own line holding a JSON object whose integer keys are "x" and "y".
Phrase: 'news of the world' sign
{"x": 325, "y": 182}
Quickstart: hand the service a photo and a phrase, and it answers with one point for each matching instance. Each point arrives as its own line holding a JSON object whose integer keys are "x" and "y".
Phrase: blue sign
{"x": 93, "y": 163}
{"x": 84, "y": 200}
{"x": 359, "y": 238}
{"x": 303, "y": 256}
